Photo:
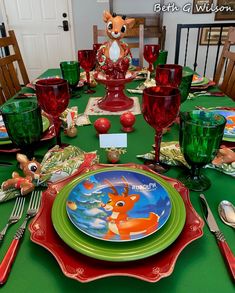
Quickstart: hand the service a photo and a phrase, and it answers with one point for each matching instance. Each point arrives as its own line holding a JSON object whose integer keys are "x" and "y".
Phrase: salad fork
{"x": 10, "y": 256}
{"x": 15, "y": 215}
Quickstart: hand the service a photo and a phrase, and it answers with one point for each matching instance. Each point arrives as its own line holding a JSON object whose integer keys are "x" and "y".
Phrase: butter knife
{"x": 223, "y": 245}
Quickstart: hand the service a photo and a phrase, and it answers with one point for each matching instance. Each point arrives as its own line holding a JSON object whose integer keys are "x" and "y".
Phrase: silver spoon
{"x": 227, "y": 213}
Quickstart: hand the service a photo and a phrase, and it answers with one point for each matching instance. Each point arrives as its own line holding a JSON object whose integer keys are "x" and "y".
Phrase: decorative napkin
{"x": 139, "y": 89}
{"x": 57, "y": 164}
{"x": 224, "y": 161}
{"x": 93, "y": 109}
{"x": 170, "y": 154}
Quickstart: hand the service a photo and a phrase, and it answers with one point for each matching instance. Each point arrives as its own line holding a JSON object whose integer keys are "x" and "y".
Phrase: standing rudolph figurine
{"x": 118, "y": 222}
{"x": 114, "y": 56}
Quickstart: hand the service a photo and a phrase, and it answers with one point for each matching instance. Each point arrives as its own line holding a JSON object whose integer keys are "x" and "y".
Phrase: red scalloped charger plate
{"x": 85, "y": 269}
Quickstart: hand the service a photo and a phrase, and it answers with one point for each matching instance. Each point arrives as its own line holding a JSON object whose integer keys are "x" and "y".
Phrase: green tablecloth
{"x": 199, "y": 268}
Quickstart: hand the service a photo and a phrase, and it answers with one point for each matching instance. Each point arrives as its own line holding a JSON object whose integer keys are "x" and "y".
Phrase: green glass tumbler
{"x": 23, "y": 122}
{"x": 161, "y": 59}
{"x": 71, "y": 72}
{"x": 200, "y": 136}
{"x": 185, "y": 84}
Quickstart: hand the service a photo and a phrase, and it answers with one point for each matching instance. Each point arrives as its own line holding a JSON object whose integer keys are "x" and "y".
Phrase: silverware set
{"x": 16, "y": 214}
{"x": 223, "y": 245}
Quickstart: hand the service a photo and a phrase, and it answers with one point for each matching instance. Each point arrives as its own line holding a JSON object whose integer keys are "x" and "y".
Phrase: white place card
{"x": 114, "y": 140}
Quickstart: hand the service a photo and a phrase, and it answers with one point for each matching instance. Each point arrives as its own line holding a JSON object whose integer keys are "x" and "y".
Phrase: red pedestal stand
{"x": 115, "y": 98}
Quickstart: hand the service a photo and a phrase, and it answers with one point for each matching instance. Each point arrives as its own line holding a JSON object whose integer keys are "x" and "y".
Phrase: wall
{"x": 85, "y": 14}
{"x": 170, "y": 20}
{"x": 1, "y": 17}
{"x": 89, "y": 12}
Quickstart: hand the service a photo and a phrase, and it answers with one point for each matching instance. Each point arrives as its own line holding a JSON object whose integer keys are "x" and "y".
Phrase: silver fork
{"x": 15, "y": 215}
{"x": 10, "y": 256}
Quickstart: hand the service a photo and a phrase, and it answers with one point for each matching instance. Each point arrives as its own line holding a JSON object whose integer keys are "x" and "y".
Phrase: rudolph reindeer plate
{"x": 118, "y": 205}
{"x": 122, "y": 250}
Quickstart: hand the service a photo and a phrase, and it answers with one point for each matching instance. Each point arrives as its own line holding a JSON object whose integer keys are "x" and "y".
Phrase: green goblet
{"x": 200, "y": 136}
{"x": 71, "y": 72}
{"x": 185, "y": 84}
{"x": 23, "y": 123}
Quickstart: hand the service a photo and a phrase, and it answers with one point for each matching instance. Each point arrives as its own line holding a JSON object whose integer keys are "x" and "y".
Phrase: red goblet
{"x": 160, "y": 107}
{"x": 53, "y": 97}
{"x": 151, "y": 53}
{"x": 96, "y": 47}
{"x": 169, "y": 75}
{"x": 87, "y": 59}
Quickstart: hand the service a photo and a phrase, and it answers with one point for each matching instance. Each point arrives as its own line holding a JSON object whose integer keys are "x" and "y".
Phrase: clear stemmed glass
{"x": 87, "y": 59}
{"x": 200, "y": 137}
{"x": 23, "y": 123}
{"x": 169, "y": 75}
{"x": 160, "y": 107}
{"x": 151, "y": 53}
{"x": 53, "y": 97}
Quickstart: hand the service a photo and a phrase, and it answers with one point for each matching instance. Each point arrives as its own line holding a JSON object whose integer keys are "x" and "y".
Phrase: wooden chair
{"x": 132, "y": 33}
{"x": 10, "y": 66}
{"x": 226, "y": 66}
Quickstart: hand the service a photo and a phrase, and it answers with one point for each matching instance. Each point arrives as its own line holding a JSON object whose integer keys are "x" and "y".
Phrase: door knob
{"x": 65, "y": 25}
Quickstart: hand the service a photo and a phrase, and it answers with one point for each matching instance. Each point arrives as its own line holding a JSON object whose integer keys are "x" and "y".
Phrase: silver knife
{"x": 223, "y": 245}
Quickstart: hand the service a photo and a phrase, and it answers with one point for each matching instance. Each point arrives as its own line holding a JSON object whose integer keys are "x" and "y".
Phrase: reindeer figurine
{"x": 114, "y": 56}
{"x": 31, "y": 170}
{"x": 118, "y": 222}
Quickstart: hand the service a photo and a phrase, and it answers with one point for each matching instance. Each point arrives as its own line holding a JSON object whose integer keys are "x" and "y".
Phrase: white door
{"x": 38, "y": 25}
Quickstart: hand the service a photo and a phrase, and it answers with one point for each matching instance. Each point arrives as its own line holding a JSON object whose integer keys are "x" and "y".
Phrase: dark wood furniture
{"x": 10, "y": 68}
{"x": 226, "y": 66}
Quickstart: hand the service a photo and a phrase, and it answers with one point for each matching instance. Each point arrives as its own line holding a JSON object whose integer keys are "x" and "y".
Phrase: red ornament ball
{"x": 102, "y": 125}
{"x": 127, "y": 120}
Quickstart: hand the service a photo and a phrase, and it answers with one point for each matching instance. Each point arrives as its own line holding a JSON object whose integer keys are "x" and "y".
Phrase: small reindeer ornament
{"x": 114, "y": 56}
{"x": 31, "y": 170}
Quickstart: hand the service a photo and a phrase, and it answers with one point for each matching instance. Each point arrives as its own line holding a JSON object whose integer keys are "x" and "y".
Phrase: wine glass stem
{"x": 57, "y": 124}
{"x": 88, "y": 79}
{"x": 195, "y": 172}
{"x": 158, "y": 138}
{"x": 150, "y": 67}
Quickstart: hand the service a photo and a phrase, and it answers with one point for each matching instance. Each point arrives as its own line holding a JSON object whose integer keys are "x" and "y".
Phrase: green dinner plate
{"x": 203, "y": 82}
{"x": 118, "y": 251}
{"x": 45, "y": 125}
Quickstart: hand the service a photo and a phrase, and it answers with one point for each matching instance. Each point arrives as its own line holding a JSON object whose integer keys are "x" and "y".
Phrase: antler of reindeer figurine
{"x": 114, "y": 56}
{"x": 119, "y": 223}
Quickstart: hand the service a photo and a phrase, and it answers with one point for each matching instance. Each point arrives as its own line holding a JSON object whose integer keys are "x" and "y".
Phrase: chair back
{"x": 132, "y": 33}
{"x": 226, "y": 66}
{"x": 10, "y": 68}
